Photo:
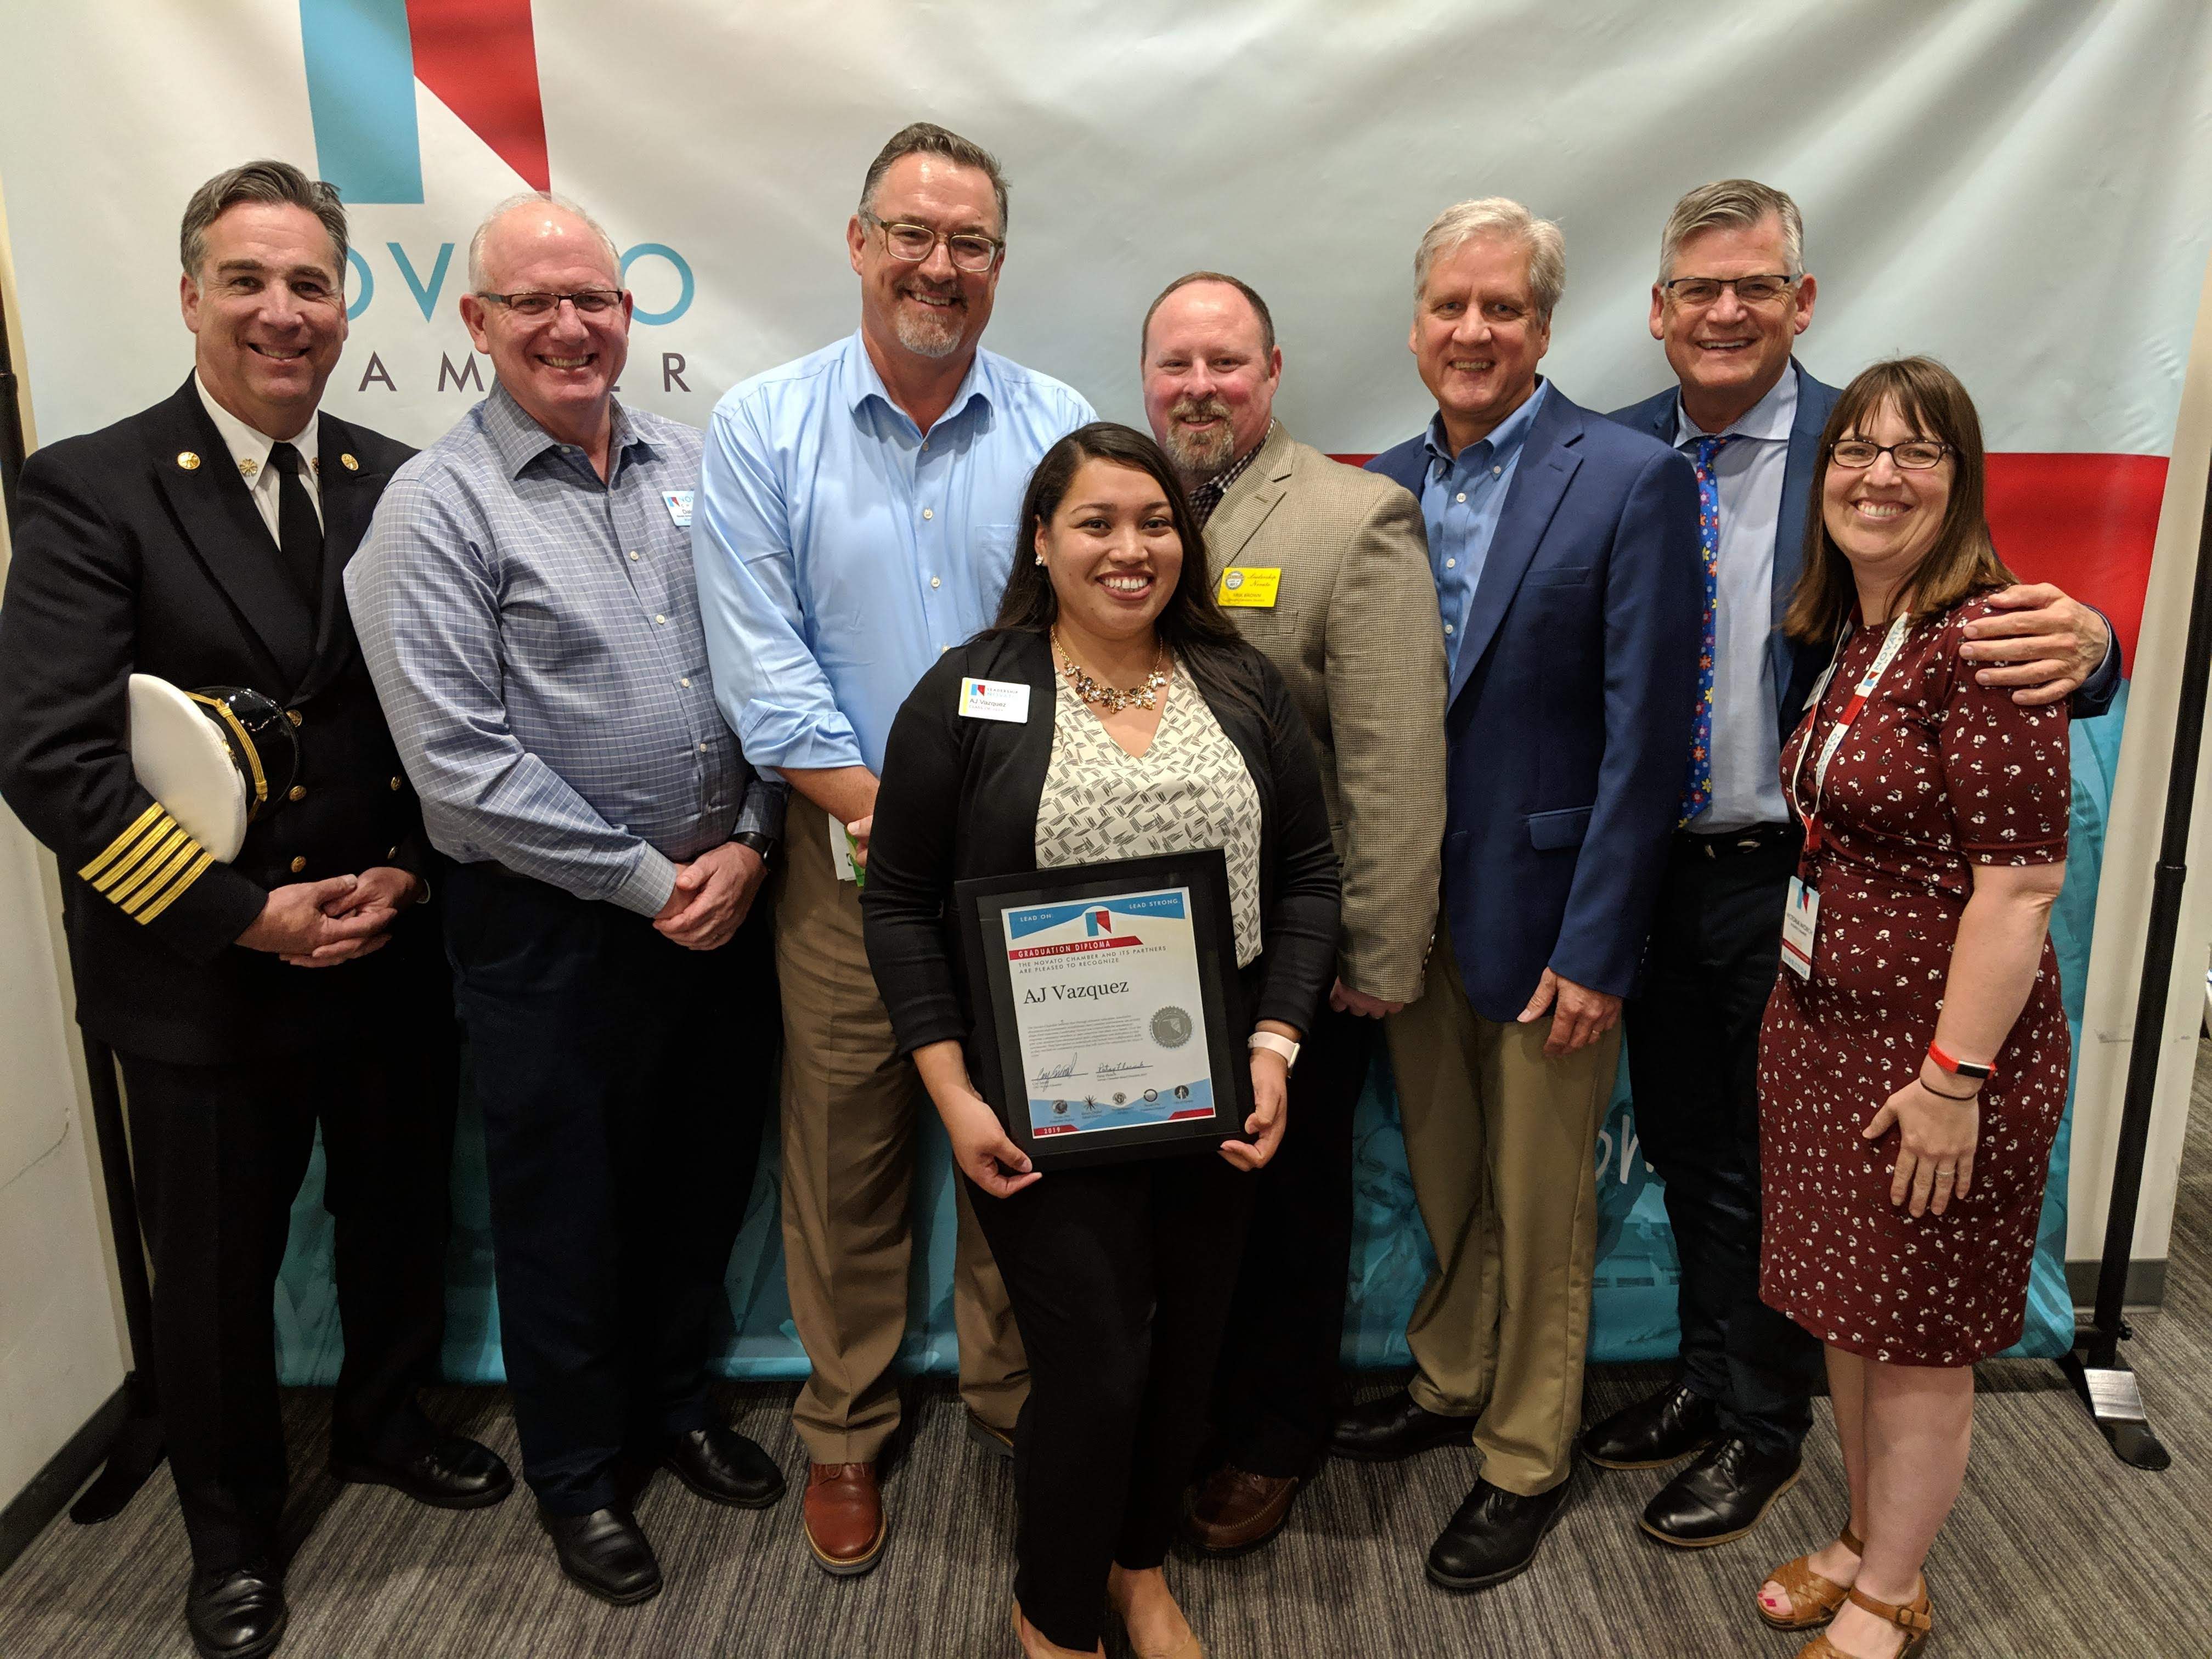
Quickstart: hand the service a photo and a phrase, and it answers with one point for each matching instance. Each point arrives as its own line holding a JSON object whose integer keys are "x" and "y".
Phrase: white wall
{"x": 61, "y": 1343}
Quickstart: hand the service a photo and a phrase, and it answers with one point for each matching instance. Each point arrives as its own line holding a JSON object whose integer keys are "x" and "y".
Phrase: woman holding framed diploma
{"x": 1112, "y": 712}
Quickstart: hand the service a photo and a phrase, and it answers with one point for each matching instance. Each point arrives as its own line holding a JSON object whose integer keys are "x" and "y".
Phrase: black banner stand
{"x": 2106, "y": 1383}
{"x": 137, "y": 1451}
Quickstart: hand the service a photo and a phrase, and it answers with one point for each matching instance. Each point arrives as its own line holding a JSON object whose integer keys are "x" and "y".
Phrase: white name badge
{"x": 841, "y": 850}
{"x": 1801, "y": 919}
{"x": 679, "y": 502}
{"x": 995, "y": 700}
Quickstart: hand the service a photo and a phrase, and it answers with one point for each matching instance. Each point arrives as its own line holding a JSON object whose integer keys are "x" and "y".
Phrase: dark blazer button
{"x": 295, "y": 717}
{"x": 297, "y": 865}
{"x": 395, "y": 783}
{"x": 299, "y": 792}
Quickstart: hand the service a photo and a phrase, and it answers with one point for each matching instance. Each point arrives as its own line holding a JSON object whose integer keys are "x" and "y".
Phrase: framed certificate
{"x": 1105, "y": 998}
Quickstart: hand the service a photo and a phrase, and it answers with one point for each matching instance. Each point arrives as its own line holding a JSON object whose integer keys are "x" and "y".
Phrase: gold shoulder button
{"x": 188, "y": 460}
{"x": 348, "y": 463}
{"x": 295, "y": 716}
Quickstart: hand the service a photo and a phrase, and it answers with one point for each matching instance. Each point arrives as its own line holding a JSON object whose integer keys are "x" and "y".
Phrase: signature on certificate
{"x": 1054, "y": 1073}
{"x": 1123, "y": 1067}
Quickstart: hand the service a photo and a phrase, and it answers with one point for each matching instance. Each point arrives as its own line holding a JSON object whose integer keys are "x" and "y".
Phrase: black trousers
{"x": 1120, "y": 1280}
{"x": 624, "y": 1081}
{"x": 1693, "y": 1071}
{"x": 1276, "y": 1386}
{"x": 218, "y": 1152}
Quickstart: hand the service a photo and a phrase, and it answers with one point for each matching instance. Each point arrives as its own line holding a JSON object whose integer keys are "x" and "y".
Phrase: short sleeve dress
{"x": 1936, "y": 775}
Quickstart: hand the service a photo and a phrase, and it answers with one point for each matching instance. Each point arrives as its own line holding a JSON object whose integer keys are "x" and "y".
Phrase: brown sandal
{"x": 1814, "y": 1598}
{"x": 1916, "y": 1618}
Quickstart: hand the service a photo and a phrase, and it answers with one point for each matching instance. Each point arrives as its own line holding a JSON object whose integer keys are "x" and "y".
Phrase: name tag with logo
{"x": 679, "y": 502}
{"x": 1250, "y": 584}
{"x": 995, "y": 700}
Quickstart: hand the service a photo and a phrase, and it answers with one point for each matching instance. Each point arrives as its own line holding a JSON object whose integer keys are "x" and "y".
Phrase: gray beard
{"x": 926, "y": 334}
{"x": 1201, "y": 455}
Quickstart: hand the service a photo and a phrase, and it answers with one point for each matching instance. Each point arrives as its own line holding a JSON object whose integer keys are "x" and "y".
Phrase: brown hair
{"x": 1251, "y": 297}
{"x": 927, "y": 138}
{"x": 277, "y": 182}
{"x": 1963, "y": 562}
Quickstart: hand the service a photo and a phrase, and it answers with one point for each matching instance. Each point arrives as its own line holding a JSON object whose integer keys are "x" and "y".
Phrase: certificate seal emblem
{"x": 1171, "y": 1028}
{"x": 1059, "y": 1107}
{"x": 1232, "y": 579}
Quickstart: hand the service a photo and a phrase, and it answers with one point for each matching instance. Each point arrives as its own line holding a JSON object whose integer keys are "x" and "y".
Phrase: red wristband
{"x": 1956, "y": 1068}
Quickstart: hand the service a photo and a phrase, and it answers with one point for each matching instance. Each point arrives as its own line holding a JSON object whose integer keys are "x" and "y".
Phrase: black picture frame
{"x": 994, "y": 1051}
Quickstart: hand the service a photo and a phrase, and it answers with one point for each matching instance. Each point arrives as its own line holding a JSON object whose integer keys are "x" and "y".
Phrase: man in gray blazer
{"x": 1325, "y": 569}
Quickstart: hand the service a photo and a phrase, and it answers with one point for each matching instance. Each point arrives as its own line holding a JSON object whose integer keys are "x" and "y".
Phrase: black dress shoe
{"x": 722, "y": 1466}
{"x": 1493, "y": 1537}
{"x": 1721, "y": 1495}
{"x": 1382, "y": 1431}
{"x": 1661, "y": 1429}
{"x": 236, "y": 1613}
{"x": 607, "y": 1553}
{"x": 448, "y": 1474}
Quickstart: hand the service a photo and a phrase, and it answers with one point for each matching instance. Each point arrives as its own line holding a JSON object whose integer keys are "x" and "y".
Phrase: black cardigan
{"x": 959, "y": 800}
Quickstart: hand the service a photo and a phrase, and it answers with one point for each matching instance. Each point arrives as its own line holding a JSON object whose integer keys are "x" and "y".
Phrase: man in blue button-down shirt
{"x": 856, "y": 515}
{"x": 528, "y": 608}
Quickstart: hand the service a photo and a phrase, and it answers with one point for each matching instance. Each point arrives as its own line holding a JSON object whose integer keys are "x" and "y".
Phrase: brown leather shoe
{"x": 1235, "y": 1510}
{"x": 845, "y": 1520}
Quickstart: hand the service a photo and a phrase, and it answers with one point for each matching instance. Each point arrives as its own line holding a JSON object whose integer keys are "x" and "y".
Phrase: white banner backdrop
{"x": 2019, "y": 186}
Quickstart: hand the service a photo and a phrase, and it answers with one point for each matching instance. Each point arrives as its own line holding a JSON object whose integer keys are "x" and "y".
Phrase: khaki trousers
{"x": 849, "y": 1105}
{"x": 1500, "y": 1141}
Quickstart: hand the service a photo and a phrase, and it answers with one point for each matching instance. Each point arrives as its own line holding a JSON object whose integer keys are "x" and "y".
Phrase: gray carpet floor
{"x": 2056, "y": 1549}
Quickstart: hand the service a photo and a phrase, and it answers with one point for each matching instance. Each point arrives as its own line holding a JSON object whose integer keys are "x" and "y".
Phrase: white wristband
{"x": 1277, "y": 1045}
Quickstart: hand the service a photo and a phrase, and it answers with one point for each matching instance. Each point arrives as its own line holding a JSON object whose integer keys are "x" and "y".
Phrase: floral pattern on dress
{"x": 1937, "y": 774}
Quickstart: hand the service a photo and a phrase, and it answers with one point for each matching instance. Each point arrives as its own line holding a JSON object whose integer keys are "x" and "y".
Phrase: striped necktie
{"x": 1697, "y": 787}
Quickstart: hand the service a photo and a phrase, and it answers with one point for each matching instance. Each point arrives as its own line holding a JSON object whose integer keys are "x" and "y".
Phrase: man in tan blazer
{"x": 1326, "y": 569}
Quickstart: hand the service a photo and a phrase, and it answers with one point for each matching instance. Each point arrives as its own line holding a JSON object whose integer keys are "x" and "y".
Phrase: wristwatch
{"x": 764, "y": 845}
{"x": 1957, "y": 1067}
{"x": 1274, "y": 1044}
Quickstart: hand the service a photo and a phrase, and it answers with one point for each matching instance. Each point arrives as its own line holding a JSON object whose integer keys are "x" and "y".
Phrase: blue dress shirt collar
{"x": 865, "y": 383}
{"x": 1770, "y": 418}
{"x": 1505, "y": 439}
{"x": 517, "y": 440}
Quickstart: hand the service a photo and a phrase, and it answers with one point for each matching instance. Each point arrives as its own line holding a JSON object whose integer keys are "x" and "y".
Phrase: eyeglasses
{"x": 970, "y": 250}
{"x": 1702, "y": 291}
{"x": 1913, "y": 455}
{"x": 588, "y": 302}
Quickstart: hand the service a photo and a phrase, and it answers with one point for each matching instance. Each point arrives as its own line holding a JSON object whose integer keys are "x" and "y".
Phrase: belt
{"x": 1753, "y": 838}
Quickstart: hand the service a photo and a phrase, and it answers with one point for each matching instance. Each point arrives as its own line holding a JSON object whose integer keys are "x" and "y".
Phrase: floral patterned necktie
{"x": 1697, "y": 787}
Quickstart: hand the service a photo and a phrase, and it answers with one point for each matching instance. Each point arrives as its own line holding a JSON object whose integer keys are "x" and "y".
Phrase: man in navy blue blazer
{"x": 1733, "y": 295}
{"x": 1565, "y": 556}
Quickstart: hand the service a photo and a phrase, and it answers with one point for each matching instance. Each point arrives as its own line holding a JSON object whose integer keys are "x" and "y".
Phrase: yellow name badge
{"x": 1250, "y": 584}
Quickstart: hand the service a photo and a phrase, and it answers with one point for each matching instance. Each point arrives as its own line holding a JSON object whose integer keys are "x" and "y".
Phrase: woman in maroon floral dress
{"x": 1913, "y": 1064}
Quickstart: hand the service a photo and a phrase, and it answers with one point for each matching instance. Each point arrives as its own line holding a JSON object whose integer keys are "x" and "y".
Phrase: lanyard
{"x": 1891, "y": 645}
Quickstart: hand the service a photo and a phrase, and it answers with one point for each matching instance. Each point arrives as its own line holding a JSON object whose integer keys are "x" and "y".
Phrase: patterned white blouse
{"x": 1189, "y": 790}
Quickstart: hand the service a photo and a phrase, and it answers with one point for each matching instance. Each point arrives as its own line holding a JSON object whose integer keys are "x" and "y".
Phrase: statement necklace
{"x": 1107, "y": 697}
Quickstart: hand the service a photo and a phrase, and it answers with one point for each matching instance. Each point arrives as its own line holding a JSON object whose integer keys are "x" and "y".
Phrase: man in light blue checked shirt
{"x": 526, "y": 605}
{"x": 856, "y": 515}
